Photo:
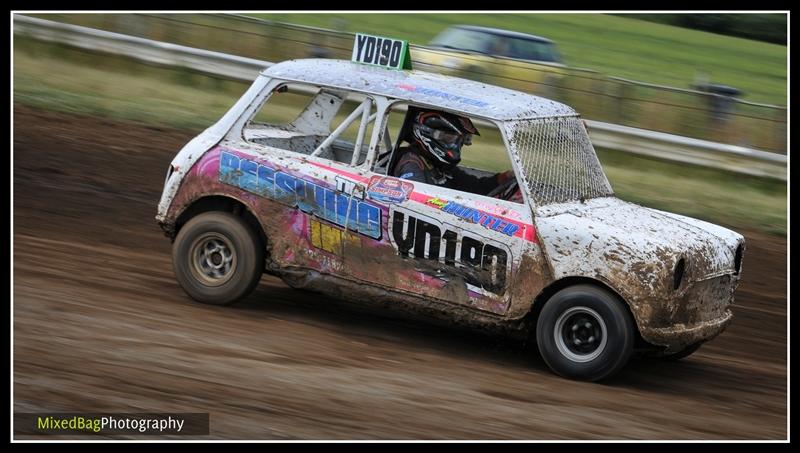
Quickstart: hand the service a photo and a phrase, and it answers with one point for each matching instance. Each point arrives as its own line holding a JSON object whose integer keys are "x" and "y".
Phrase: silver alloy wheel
{"x": 213, "y": 259}
{"x": 580, "y": 334}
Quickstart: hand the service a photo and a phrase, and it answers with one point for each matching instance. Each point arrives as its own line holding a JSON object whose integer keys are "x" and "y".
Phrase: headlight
{"x": 170, "y": 170}
{"x": 737, "y": 259}
{"x": 679, "y": 270}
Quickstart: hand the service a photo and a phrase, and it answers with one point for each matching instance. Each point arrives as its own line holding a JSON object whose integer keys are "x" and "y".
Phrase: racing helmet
{"x": 441, "y": 135}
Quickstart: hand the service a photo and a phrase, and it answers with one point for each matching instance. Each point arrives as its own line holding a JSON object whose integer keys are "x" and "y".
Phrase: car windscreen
{"x": 557, "y": 159}
{"x": 461, "y": 39}
{"x": 529, "y": 49}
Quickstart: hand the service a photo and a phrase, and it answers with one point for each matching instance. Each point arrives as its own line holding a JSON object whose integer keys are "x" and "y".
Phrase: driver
{"x": 435, "y": 151}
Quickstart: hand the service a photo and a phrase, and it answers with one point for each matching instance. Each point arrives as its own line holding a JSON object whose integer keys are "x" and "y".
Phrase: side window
{"x": 483, "y": 158}
{"x": 488, "y": 152}
{"x": 314, "y": 121}
{"x": 501, "y": 46}
{"x": 387, "y": 154}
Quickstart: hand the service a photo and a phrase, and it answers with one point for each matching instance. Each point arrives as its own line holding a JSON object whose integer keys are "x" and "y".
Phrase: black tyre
{"x": 218, "y": 258}
{"x": 683, "y": 353}
{"x": 585, "y": 332}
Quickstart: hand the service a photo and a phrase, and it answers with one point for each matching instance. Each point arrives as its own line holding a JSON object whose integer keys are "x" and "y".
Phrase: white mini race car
{"x": 296, "y": 180}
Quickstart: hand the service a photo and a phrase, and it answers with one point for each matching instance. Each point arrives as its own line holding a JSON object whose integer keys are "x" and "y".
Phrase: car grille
{"x": 708, "y": 299}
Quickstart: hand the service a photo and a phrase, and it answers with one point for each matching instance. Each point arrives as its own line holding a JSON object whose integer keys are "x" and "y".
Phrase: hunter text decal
{"x": 473, "y": 215}
{"x": 442, "y": 94}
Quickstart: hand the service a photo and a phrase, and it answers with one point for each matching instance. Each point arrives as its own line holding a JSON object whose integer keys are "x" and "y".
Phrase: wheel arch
{"x": 545, "y": 294}
{"x": 223, "y": 203}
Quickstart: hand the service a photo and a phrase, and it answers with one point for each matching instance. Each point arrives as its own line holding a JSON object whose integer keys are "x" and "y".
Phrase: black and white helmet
{"x": 441, "y": 136}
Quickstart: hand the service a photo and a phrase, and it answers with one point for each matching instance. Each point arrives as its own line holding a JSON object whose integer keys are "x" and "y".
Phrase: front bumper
{"x": 700, "y": 312}
{"x": 678, "y": 337}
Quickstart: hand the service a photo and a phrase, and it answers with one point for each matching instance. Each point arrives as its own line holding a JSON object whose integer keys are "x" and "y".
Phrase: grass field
{"x": 54, "y": 77}
{"x": 617, "y": 46}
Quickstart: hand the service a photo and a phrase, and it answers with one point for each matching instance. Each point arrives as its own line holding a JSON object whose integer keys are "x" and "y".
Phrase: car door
{"x": 452, "y": 246}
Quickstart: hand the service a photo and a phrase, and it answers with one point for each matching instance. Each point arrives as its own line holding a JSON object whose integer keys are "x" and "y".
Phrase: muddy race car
{"x": 295, "y": 180}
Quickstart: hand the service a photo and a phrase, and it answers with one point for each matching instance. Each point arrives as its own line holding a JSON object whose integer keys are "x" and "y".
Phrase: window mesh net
{"x": 557, "y": 159}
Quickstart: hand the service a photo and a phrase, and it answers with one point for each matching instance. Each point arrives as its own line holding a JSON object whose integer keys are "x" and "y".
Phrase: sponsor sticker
{"x": 389, "y": 190}
{"x": 442, "y": 94}
{"x": 474, "y": 215}
{"x": 342, "y": 206}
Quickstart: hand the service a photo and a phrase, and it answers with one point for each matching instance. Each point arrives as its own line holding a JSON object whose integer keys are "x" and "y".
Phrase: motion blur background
{"x": 94, "y": 132}
{"x": 618, "y": 69}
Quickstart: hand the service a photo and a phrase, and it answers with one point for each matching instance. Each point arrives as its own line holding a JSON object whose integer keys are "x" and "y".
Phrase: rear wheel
{"x": 585, "y": 332}
{"x": 217, "y": 257}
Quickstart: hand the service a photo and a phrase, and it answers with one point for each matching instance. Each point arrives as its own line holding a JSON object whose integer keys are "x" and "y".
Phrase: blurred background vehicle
{"x": 644, "y": 132}
{"x": 529, "y": 63}
{"x": 640, "y": 74}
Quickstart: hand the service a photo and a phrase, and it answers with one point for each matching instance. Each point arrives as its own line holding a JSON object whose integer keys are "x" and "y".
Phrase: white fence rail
{"x": 604, "y": 135}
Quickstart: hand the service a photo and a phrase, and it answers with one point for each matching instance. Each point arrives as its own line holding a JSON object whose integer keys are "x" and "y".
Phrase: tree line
{"x": 762, "y": 27}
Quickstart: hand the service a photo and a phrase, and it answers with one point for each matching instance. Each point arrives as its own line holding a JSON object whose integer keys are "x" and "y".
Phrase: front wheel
{"x": 585, "y": 332}
{"x": 218, "y": 258}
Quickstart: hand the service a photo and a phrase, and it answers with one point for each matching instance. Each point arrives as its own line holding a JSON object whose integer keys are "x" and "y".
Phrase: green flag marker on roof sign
{"x": 379, "y": 51}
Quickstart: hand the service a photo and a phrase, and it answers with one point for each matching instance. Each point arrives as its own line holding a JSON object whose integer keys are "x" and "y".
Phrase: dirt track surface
{"x": 100, "y": 324}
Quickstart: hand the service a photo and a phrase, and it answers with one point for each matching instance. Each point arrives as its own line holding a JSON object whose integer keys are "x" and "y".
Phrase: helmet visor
{"x": 447, "y": 138}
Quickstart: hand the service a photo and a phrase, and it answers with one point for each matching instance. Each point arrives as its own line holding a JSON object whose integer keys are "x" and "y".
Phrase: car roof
{"x": 505, "y": 33}
{"x": 446, "y": 92}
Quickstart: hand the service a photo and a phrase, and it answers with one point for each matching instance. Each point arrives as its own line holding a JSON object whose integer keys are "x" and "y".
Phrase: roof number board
{"x": 380, "y": 51}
